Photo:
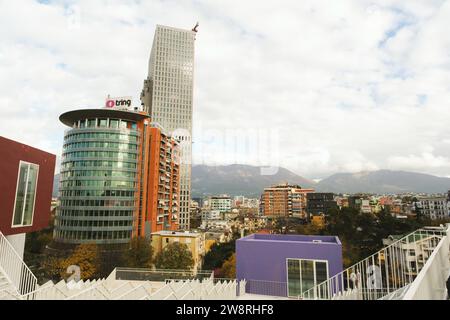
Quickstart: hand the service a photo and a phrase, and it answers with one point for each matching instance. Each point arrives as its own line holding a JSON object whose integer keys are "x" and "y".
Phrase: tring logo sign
{"x": 118, "y": 102}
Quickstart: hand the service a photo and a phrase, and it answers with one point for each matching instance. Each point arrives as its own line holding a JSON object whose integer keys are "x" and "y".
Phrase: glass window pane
{"x": 31, "y": 193}
{"x": 321, "y": 272}
{"x": 114, "y": 123}
{"x": 294, "y": 277}
{"x": 321, "y": 276}
{"x": 307, "y": 274}
{"x": 20, "y": 194}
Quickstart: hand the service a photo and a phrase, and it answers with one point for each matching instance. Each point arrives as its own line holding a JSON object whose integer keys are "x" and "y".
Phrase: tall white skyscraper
{"x": 168, "y": 94}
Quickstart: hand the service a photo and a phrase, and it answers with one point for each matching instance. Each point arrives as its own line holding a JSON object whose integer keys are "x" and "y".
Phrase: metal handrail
{"x": 382, "y": 273}
{"x": 15, "y": 269}
{"x": 164, "y": 270}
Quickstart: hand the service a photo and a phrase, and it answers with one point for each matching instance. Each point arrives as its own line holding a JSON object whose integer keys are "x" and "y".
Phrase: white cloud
{"x": 418, "y": 162}
{"x": 340, "y": 85}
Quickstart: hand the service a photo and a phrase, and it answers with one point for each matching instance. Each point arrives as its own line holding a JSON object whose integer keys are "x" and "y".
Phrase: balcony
{"x": 388, "y": 275}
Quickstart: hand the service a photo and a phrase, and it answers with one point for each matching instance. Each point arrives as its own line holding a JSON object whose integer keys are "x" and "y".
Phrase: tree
{"x": 417, "y": 209}
{"x": 228, "y": 269}
{"x": 174, "y": 256}
{"x": 36, "y": 241}
{"x": 308, "y": 229}
{"x": 196, "y": 222}
{"x": 85, "y": 256}
{"x": 361, "y": 234}
{"x": 139, "y": 253}
{"x": 50, "y": 268}
{"x": 217, "y": 254}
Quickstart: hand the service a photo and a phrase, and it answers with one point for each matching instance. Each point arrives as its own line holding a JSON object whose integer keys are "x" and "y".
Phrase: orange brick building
{"x": 285, "y": 200}
{"x": 161, "y": 181}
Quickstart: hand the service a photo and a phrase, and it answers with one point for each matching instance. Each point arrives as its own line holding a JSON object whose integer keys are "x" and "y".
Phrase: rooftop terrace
{"x": 291, "y": 238}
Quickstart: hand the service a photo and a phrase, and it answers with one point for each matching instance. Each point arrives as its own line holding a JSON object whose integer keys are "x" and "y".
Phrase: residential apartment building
{"x": 251, "y": 203}
{"x": 218, "y": 236}
{"x": 195, "y": 242}
{"x": 342, "y": 202}
{"x": 25, "y": 191}
{"x": 319, "y": 203}
{"x": 167, "y": 96}
{"x": 355, "y": 202}
{"x": 220, "y": 203}
{"x": 163, "y": 172}
{"x": 238, "y": 201}
{"x": 261, "y": 205}
{"x": 199, "y": 201}
{"x": 433, "y": 207}
{"x": 243, "y": 202}
{"x": 285, "y": 200}
{"x": 415, "y": 250}
{"x": 365, "y": 206}
{"x": 119, "y": 177}
{"x": 211, "y": 215}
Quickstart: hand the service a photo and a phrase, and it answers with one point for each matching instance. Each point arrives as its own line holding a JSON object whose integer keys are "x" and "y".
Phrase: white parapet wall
{"x": 430, "y": 283}
{"x": 18, "y": 243}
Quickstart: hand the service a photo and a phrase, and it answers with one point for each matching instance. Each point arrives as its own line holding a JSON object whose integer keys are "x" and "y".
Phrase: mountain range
{"x": 238, "y": 179}
{"x": 247, "y": 180}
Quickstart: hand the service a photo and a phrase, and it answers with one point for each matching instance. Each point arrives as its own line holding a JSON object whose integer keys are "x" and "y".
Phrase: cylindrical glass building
{"x": 99, "y": 179}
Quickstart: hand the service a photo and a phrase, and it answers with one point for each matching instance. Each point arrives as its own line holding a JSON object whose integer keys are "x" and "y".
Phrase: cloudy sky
{"x": 315, "y": 86}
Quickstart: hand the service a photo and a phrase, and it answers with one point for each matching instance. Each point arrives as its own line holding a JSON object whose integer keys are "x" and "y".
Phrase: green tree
{"x": 361, "y": 234}
{"x": 139, "y": 253}
{"x": 218, "y": 253}
{"x": 36, "y": 241}
{"x": 308, "y": 229}
{"x": 174, "y": 256}
{"x": 195, "y": 222}
{"x": 228, "y": 269}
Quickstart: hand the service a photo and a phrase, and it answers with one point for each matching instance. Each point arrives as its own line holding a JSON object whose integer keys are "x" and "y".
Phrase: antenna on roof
{"x": 195, "y": 27}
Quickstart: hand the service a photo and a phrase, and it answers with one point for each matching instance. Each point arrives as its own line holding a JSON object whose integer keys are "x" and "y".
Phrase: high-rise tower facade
{"x": 119, "y": 178}
{"x": 168, "y": 95}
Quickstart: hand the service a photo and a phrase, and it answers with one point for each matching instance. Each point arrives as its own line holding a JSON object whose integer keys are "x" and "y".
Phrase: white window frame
{"x": 25, "y": 195}
{"x": 300, "y": 273}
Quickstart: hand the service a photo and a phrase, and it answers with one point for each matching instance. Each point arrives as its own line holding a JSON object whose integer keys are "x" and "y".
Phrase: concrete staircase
{"x": 111, "y": 289}
{"x": 17, "y": 282}
{"x": 7, "y": 290}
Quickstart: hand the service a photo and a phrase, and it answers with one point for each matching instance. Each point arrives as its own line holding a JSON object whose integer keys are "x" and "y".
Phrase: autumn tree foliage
{"x": 85, "y": 256}
{"x": 228, "y": 269}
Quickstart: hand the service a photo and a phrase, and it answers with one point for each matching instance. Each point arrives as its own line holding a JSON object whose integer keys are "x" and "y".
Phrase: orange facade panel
{"x": 158, "y": 181}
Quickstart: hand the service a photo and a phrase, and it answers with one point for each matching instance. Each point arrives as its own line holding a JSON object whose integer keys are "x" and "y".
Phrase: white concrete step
{"x": 8, "y": 294}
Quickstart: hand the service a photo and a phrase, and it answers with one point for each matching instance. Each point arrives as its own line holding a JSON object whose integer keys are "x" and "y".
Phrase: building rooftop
{"x": 177, "y": 233}
{"x": 291, "y": 238}
{"x": 68, "y": 118}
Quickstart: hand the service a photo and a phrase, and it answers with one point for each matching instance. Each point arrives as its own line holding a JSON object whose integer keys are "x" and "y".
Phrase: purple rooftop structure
{"x": 286, "y": 265}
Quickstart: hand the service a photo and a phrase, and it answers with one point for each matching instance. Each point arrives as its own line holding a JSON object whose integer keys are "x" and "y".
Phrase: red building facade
{"x": 25, "y": 187}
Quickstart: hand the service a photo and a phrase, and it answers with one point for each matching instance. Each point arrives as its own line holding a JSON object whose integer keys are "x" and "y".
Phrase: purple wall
{"x": 263, "y": 257}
